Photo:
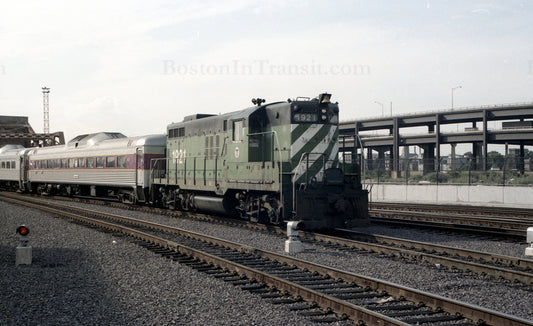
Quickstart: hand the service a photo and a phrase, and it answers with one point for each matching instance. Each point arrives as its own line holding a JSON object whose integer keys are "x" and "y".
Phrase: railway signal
{"x": 23, "y": 251}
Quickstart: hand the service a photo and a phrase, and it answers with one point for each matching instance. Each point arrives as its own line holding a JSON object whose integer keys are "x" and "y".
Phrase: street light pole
{"x": 453, "y": 89}
{"x": 380, "y": 104}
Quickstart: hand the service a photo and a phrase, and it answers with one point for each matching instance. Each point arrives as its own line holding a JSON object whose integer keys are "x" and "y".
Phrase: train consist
{"x": 269, "y": 163}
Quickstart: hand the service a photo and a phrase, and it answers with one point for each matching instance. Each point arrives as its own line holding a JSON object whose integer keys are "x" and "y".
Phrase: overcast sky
{"x": 136, "y": 66}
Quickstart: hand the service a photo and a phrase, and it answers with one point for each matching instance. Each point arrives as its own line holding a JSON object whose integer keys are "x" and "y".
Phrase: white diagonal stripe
{"x": 321, "y": 147}
{"x": 304, "y": 138}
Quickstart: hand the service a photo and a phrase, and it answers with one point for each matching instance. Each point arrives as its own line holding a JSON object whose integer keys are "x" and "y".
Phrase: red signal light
{"x": 23, "y": 230}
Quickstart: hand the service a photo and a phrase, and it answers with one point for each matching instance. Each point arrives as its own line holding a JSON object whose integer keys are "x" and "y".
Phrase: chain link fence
{"x": 498, "y": 170}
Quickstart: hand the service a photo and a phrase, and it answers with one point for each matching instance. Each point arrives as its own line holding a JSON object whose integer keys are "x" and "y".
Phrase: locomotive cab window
{"x": 238, "y": 131}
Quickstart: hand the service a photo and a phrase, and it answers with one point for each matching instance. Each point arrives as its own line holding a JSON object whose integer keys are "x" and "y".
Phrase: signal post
{"x": 23, "y": 251}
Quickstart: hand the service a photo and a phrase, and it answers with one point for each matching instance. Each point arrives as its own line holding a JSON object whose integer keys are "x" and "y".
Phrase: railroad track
{"x": 473, "y": 210}
{"x": 451, "y": 220}
{"x": 314, "y": 289}
{"x": 502, "y": 267}
{"x": 512, "y": 269}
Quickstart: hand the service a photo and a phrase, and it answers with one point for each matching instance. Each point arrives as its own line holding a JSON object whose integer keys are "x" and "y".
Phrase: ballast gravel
{"x": 82, "y": 276}
{"x": 140, "y": 267}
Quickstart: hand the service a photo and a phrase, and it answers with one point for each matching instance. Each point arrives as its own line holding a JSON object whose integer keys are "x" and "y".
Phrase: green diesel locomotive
{"x": 269, "y": 163}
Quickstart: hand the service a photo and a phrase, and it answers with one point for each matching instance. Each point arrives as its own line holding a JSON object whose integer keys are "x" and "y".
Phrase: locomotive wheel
{"x": 174, "y": 204}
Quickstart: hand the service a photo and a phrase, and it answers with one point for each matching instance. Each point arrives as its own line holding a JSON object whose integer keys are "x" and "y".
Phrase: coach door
{"x": 23, "y": 170}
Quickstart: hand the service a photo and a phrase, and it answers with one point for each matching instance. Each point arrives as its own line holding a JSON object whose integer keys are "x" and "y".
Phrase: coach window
{"x": 57, "y": 164}
{"x": 238, "y": 130}
{"x": 110, "y": 162}
{"x": 64, "y": 163}
{"x": 82, "y": 161}
{"x": 3, "y": 164}
{"x": 8, "y": 165}
{"x": 71, "y": 163}
{"x": 90, "y": 162}
{"x": 121, "y": 162}
{"x": 99, "y": 162}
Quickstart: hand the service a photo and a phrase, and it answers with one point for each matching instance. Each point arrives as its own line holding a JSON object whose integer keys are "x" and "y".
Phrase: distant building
{"x": 16, "y": 130}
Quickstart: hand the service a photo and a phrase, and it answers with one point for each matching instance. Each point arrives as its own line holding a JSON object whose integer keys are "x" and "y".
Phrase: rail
{"x": 311, "y": 282}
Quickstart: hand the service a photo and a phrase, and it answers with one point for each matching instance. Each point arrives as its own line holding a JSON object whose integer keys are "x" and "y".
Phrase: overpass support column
{"x": 381, "y": 159}
{"x": 521, "y": 159}
{"x": 453, "y": 158}
{"x": 485, "y": 138}
{"x": 477, "y": 153}
{"x": 437, "y": 142}
{"x": 429, "y": 158}
{"x": 406, "y": 161}
{"x": 369, "y": 159}
{"x": 395, "y": 153}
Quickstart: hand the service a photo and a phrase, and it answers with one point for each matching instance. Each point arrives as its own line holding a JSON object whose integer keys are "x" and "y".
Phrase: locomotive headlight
{"x": 324, "y": 117}
{"x": 324, "y": 110}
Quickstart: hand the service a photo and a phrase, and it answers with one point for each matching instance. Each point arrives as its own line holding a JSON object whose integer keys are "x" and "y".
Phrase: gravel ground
{"x": 81, "y": 276}
{"x": 497, "y": 295}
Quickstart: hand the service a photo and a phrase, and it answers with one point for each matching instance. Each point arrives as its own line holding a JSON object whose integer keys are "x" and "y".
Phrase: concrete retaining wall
{"x": 458, "y": 194}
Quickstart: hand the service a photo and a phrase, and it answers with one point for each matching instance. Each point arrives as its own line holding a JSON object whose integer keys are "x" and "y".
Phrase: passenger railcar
{"x": 269, "y": 163}
{"x": 12, "y": 162}
{"x": 101, "y": 165}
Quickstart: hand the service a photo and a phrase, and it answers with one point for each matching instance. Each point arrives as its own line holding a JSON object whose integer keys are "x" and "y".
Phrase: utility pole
{"x": 453, "y": 89}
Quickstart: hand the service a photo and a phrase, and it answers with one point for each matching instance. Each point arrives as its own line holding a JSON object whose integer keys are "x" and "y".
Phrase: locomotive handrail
{"x": 305, "y": 154}
{"x": 275, "y": 135}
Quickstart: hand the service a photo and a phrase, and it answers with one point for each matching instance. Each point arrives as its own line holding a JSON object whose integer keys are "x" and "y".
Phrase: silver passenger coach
{"x": 100, "y": 165}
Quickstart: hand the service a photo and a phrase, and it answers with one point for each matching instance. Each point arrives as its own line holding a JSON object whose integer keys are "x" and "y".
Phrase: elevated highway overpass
{"x": 516, "y": 129}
